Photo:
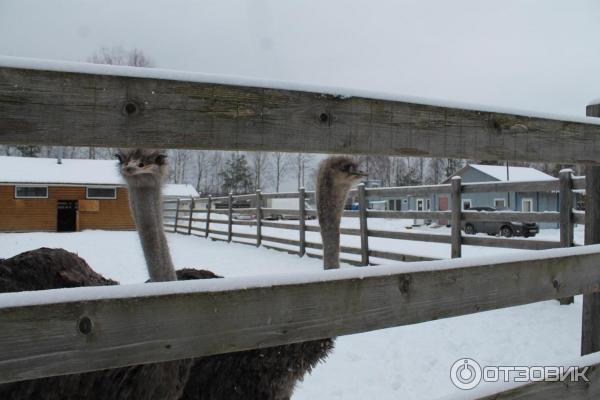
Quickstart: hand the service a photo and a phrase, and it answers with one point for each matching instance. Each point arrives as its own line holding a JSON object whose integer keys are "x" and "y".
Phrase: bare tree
{"x": 302, "y": 159}
{"x": 260, "y": 162}
{"x": 116, "y": 55}
{"x": 178, "y": 165}
{"x": 281, "y": 167}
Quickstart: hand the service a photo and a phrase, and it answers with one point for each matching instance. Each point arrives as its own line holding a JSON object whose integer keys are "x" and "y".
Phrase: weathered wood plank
{"x": 456, "y": 217}
{"x": 246, "y": 223}
{"x": 176, "y": 217}
{"x": 302, "y": 221}
{"x": 259, "y": 217}
{"x": 579, "y": 217}
{"x": 343, "y": 249}
{"x": 244, "y": 196}
{"x": 363, "y": 223}
{"x": 208, "y": 210}
{"x": 277, "y": 225}
{"x": 590, "y": 327}
{"x": 579, "y": 182}
{"x": 421, "y": 237}
{"x": 230, "y": 217}
{"x": 590, "y": 337}
{"x": 87, "y": 109}
{"x": 177, "y": 325}
{"x": 286, "y": 195}
{"x": 398, "y": 257}
{"x": 566, "y": 225}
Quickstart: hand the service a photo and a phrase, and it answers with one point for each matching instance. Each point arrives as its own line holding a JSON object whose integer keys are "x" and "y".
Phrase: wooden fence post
{"x": 456, "y": 239}
{"x": 566, "y": 225}
{"x": 230, "y": 214}
{"x": 364, "y": 230}
{"x": 590, "y": 324}
{"x": 189, "y": 232}
{"x": 302, "y": 219}
{"x": 176, "y": 217}
{"x": 208, "y": 206}
{"x": 258, "y": 218}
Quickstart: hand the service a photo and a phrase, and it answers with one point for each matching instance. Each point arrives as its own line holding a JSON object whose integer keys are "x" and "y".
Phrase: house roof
{"x": 515, "y": 174}
{"x": 48, "y": 171}
{"x": 179, "y": 190}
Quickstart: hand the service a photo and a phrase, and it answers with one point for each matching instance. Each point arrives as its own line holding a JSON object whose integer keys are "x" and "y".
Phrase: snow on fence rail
{"x": 175, "y": 320}
{"x": 73, "y": 104}
{"x": 566, "y": 216}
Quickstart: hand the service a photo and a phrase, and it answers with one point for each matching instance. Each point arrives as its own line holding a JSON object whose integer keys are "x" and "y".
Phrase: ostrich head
{"x": 342, "y": 171}
{"x": 142, "y": 167}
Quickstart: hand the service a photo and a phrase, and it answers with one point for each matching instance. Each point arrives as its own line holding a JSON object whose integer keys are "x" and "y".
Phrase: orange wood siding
{"x": 40, "y": 214}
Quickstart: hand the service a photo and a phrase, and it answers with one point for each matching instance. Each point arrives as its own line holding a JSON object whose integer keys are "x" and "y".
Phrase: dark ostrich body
{"x": 54, "y": 269}
{"x": 269, "y": 373}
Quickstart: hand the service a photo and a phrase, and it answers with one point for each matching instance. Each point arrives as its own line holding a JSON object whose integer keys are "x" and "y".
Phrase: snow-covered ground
{"x": 411, "y": 362}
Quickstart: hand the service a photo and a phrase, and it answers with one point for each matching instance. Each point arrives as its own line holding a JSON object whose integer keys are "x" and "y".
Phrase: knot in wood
{"x": 130, "y": 108}
{"x": 556, "y": 284}
{"x": 497, "y": 126}
{"x": 85, "y": 325}
{"x": 324, "y": 117}
{"x": 404, "y": 284}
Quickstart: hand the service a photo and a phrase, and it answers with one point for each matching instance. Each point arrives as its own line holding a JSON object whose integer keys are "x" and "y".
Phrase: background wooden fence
{"x": 181, "y": 220}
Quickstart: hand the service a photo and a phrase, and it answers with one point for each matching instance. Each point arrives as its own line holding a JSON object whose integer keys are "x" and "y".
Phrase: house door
{"x": 66, "y": 216}
{"x": 443, "y": 206}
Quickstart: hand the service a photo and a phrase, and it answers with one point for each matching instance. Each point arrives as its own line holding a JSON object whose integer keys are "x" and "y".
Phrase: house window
{"x": 420, "y": 204}
{"x": 527, "y": 205}
{"x": 428, "y": 204}
{"x": 466, "y": 204}
{"x": 31, "y": 192}
{"x": 101, "y": 193}
{"x": 499, "y": 203}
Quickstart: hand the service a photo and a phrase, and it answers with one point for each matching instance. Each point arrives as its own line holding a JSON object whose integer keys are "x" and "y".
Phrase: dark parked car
{"x": 502, "y": 228}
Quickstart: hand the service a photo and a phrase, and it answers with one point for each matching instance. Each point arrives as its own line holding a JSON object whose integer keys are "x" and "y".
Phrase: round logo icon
{"x": 465, "y": 373}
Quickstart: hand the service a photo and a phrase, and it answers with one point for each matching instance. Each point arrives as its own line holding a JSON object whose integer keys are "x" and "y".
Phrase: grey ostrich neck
{"x": 146, "y": 205}
{"x": 331, "y": 197}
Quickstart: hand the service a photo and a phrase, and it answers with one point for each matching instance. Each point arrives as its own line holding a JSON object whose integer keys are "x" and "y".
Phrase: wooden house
{"x": 43, "y": 194}
{"x": 471, "y": 173}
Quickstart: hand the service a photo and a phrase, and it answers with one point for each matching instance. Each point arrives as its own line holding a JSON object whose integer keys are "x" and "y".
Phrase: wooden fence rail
{"x": 111, "y": 106}
{"x": 176, "y": 320}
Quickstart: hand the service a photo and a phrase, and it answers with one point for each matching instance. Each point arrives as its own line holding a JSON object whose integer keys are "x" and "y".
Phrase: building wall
{"x": 40, "y": 214}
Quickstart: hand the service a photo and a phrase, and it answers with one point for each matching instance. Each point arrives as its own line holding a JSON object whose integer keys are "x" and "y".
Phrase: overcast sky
{"x": 539, "y": 55}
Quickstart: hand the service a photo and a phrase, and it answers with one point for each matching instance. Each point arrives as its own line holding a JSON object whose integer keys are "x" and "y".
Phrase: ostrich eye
{"x": 141, "y": 165}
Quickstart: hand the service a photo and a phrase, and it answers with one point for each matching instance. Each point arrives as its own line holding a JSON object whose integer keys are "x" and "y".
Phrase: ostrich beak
{"x": 360, "y": 173}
